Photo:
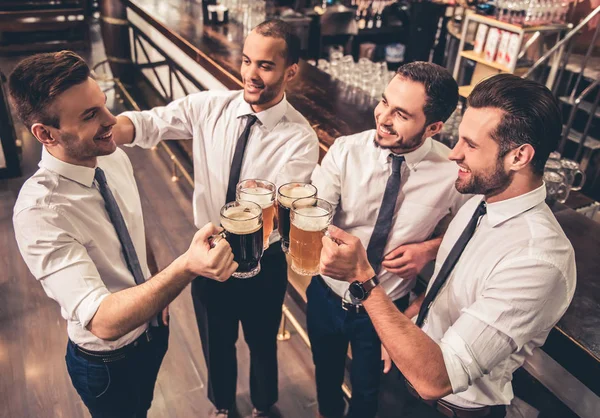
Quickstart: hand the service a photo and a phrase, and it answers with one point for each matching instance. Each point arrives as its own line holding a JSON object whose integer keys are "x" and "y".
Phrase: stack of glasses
{"x": 357, "y": 80}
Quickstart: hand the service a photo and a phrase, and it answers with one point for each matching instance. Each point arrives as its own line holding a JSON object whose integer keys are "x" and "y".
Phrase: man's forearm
{"x": 123, "y": 131}
{"x": 417, "y": 356}
{"x": 432, "y": 246}
{"x": 123, "y": 311}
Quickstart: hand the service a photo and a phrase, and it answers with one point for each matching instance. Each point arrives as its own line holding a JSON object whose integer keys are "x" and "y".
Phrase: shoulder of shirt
{"x": 39, "y": 191}
{"x": 360, "y": 140}
{"x": 213, "y": 97}
{"x": 292, "y": 116}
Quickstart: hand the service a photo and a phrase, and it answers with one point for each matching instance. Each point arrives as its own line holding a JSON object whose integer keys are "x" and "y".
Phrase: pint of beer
{"x": 262, "y": 193}
{"x": 243, "y": 226}
{"x": 285, "y": 196}
{"x": 310, "y": 218}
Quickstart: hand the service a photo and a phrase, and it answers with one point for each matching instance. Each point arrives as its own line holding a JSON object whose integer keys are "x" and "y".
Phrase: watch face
{"x": 357, "y": 291}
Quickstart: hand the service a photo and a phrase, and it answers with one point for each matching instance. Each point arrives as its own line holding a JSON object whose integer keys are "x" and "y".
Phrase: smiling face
{"x": 481, "y": 169}
{"x": 85, "y": 125}
{"x": 265, "y": 71}
{"x": 399, "y": 116}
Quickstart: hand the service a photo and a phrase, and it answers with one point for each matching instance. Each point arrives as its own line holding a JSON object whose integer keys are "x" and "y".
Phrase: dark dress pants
{"x": 256, "y": 303}
{"x": 331, "y": 329}
{"x": 123, "y": 388}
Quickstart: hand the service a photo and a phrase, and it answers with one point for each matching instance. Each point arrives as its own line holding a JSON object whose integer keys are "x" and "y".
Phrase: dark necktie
{"x": 116, "y": 217}
{"x": 383, "y": 225}
{"x": 450, "y": 262}
{"x": 238, "y": 157}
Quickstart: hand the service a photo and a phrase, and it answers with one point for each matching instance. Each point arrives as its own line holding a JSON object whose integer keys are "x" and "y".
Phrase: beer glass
{"x": 556, "y": 188}
{"x": 571, "y": 170}
{"x": 309, "y": 218}
{"x": 285, "y": 196}
{"x": 262, "y": 193}
{"x": 243, "y": 229}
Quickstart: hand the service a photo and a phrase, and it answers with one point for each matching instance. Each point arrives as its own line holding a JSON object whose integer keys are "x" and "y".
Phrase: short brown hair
{"x": 440, "y": 87}
{"x": 38, "y": 80}
{"x": 531, "y": 115}
{"x": 278, "y": 29}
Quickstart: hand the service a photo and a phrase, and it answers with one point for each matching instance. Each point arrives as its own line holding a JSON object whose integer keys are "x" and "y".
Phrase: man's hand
{"x": 165, "y": 316}
{"x": 408, "y": 260}
{"x": 387, "y": 360}
{"x": 215, "y": 263}
{"x": 345, "y": 258}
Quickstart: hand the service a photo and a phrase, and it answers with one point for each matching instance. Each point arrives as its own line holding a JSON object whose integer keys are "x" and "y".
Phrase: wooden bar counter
{"x": 575, "y": 341}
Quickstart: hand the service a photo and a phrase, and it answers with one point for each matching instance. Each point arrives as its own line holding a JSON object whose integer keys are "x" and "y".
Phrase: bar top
{"x": 324, "y": 103}
{"x": 331, "y": 109}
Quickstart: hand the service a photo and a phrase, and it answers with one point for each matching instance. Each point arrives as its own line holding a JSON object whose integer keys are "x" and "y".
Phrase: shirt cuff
{"x": 89, "y": 306}
{"x": 459, "y": 361}
{"x": 137, "y": 130}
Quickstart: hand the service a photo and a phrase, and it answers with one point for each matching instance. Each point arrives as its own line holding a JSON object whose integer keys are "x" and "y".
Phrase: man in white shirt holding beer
{"x": 505, "y": 271}
{"x": 250, "y": 134}
{"x": 391, "y": 187}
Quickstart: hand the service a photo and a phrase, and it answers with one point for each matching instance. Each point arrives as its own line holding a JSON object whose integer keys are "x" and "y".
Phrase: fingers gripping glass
{"x": 242, "y": 222}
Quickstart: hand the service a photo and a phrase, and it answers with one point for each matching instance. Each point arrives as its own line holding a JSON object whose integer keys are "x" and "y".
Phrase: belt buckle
{"x": 148, "y": 334}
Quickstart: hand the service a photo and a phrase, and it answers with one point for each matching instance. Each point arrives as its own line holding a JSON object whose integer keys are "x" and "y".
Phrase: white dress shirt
{"x": 282, "y": 146}
{"x": 68, "y": 242}
{"x": 353, "y": 176}
{"x": 513, "y": 282}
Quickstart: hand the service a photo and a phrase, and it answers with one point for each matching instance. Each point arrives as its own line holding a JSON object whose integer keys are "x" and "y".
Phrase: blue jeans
{"x": 123, "y": 388}
{"x": 331, "y": 329}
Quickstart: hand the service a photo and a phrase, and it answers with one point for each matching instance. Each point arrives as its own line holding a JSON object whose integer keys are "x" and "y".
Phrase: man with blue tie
{"x": 392, "y": 187}
{"x": 79, "y": 226}
{"x": 505, "y": 271}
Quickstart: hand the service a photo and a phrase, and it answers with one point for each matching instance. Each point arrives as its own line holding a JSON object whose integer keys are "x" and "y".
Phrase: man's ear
{"x": 520, "y": 157}
{"x": 291, "y": 71}
{"x": 433, "y": 128}
{"x": 43, "y": 133}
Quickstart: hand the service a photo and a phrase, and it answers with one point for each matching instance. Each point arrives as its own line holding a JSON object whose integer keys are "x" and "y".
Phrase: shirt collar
{"x": 499, "y": 212}
{"x": 268, "y": 118}
{"x": 78, "y": 173}
{"x": 412, "y": 158}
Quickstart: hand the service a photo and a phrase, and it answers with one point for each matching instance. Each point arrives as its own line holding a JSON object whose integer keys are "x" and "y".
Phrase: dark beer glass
{"x": 243, "y": 228}
{"x": 285, "y": 196}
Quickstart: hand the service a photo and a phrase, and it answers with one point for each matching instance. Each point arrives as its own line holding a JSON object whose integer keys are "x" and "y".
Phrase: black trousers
{"x": 256, "y": 303}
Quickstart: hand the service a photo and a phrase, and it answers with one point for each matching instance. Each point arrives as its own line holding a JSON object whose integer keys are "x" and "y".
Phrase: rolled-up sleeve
{"x": 49, "y": 244}
{"x": 174, "y": 121}
{"x": 519, "y": 304}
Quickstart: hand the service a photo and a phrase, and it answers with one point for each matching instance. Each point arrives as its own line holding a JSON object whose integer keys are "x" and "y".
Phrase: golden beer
{"x": 262, "y": 193}
{"x": 310, "y": 218}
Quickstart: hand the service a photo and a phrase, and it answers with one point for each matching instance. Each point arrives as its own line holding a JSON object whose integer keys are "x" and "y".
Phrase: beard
{"x": 268, "y": 93}
{"x": 488, "y": 184}
{"x": 402, "y": 144}
{"x": 80, "y": 150}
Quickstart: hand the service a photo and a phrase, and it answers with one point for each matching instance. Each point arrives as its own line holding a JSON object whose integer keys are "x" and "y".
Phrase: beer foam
{"x": 258, "y": 195}
{"x": 239, "y": 221}
{"x": 311, "y": 219}
{"x": 293, "y": 193}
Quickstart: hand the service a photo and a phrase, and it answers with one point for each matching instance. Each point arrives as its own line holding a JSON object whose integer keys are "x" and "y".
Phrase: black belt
{"x": 119, "y": 353}
{"x": 455, "y": 411}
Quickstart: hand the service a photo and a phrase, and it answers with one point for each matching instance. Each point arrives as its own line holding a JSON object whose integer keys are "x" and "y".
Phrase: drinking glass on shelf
{"x": 556, "y": 188}
{"x": 571, "y": 171}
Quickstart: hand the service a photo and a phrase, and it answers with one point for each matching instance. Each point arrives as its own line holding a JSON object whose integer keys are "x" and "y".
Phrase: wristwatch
{"x": 360, "y": 291}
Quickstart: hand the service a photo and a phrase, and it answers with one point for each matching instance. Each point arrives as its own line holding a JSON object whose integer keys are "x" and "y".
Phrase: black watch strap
{"x": 370, "y": 285}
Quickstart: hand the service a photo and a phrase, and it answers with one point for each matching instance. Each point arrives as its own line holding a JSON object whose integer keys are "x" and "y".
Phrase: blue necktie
{"x": 238, "y": 157}
{"x": 450, "y": 262}
{"x": 383, "y": 226}
{"x": 116, "y": 217}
